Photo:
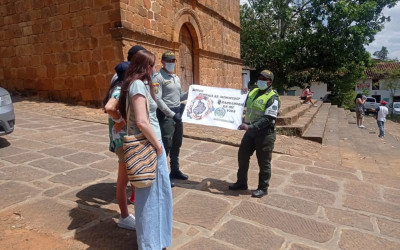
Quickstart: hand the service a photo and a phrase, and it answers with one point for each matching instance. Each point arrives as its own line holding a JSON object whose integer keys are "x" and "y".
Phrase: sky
{"x": 388, "y": 37}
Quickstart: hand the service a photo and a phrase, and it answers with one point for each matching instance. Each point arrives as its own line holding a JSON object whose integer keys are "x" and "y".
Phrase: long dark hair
{"x": 358, "y": 96}
{"x": 138, "y": 70}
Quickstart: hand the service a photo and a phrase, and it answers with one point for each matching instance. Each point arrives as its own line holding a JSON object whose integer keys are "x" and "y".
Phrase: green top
{"x": 116, "y": 138}
{"x": 138, "y": 87}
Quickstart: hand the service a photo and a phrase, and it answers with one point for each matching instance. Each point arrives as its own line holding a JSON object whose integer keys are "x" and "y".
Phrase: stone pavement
{"x": 57, "y": 182}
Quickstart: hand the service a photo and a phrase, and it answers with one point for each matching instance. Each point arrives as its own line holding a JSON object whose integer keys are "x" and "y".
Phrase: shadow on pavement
{"x": 105, "y": 234}
{"x": 4, "y": 143}
{"x": 211, "y": 185}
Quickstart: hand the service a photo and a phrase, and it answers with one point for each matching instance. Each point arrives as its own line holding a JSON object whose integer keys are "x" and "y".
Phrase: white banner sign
{"x": 220, "y": 107}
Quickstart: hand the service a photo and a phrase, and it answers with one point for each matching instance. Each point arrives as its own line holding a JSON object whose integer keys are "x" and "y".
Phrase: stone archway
{"x": 188, "y": 36}
{"x": 186, "y": 58}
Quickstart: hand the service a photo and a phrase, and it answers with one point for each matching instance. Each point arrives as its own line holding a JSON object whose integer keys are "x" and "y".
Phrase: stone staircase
{"x": 302, "y": 120}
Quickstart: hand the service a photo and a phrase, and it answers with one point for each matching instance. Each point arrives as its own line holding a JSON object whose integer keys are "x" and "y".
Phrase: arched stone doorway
{"x": 186, "y": 58}
{"x": 188, "y": 37}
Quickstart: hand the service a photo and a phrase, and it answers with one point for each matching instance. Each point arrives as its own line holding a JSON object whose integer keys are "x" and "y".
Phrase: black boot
{"x": 259, "y": 193}
{"x": 177, "y": 174}
{"x": 238, "y": 186}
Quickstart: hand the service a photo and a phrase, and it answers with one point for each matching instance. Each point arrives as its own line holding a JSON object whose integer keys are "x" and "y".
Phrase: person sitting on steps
{"x": 306, "y": 96}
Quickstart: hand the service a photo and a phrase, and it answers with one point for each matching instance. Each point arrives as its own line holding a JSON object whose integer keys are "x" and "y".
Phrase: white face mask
{"x": 262, "y": 84}
{"x": 170, "y": 67}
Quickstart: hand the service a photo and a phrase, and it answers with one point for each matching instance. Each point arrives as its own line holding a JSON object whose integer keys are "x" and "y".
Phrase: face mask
{"x": 262, "y": 84}
{"x": 154, "y": 73}
{"x": 170, "y": 67}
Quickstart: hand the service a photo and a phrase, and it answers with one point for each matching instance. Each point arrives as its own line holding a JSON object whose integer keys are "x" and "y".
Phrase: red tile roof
{"x": 373, "y": 73}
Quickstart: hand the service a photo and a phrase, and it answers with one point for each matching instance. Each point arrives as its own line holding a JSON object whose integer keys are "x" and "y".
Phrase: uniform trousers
{"x": 263, "y": 145}
{"x": 172, "y": 134}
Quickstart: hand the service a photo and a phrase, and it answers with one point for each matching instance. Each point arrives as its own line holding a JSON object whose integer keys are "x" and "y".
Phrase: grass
{"x": 394, "y": 118}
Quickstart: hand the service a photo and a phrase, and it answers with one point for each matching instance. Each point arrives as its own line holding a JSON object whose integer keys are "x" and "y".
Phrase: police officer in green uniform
{"x": 262, "y": 104}
{"x": 167, "y": 88}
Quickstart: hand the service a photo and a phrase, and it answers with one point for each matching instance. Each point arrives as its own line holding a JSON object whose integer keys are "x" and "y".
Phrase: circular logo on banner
{"x": 200, "y": 107}
{"x": 220, "y": 112}
{"x": 260, "y": 101}
{"x": 275, "y": 107}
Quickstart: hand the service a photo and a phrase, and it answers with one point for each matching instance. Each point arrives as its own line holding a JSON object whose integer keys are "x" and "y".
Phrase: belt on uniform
{"x": 176, "y": 109}
{"x": 268, "y": 130}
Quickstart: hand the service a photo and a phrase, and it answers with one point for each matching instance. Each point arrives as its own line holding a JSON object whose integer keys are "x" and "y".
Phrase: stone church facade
{"x": 66, "y": 50}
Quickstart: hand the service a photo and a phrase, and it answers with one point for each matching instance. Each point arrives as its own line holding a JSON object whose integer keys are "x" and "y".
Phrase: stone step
{"x": 288, "y": 103}
{"x": 316, "y": 129}
{"x": 301, "y": 125}
{"x": 292, "y": 116}
{"x": 330, "y": 150}
{"x": 331, "y": 133}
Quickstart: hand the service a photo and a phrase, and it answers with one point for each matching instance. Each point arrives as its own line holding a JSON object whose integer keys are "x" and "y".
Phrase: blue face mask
{"x": 170, "y": 67}
{"x": 262, "y": 84}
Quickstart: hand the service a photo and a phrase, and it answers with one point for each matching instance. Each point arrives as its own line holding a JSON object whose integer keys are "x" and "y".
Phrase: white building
{"x": 320, "y": 89}
{"x": 373, "y": 84}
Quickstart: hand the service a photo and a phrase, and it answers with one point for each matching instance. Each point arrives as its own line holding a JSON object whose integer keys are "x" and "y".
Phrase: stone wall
{"x": 215, "y": 27}
{"x": 59, "y": 49}
{"x": 67, "y": 49}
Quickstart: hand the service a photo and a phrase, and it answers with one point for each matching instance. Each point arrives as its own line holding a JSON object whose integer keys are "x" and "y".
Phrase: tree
{"x": 305, "y": 40}
{"x": 382, "y": 54}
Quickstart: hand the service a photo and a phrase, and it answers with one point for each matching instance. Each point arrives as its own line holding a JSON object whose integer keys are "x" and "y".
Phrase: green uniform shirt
{"x": 267, "y": 122}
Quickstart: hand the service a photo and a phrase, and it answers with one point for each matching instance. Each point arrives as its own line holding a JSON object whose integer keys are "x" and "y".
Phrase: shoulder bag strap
{"x": 128, "y": 109}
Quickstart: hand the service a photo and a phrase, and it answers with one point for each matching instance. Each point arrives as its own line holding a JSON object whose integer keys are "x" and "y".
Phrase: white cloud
{"x": 390, "y": 35}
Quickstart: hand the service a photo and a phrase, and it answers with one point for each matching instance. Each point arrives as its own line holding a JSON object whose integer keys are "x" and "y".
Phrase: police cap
{"x": 267, "y": 74}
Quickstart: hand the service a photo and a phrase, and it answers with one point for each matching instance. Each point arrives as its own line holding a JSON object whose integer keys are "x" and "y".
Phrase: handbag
{"x": 140, "y": 156}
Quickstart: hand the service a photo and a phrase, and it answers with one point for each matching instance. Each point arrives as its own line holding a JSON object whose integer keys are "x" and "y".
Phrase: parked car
{"x": 7, "y": 116}
{"x": 370, "y": 103}
{"x": 396, "y": 108}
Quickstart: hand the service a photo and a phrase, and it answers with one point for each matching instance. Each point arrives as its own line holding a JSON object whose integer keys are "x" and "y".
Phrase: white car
{"x": 7, "y": 116}
{"x": 396, "y": 108}
{"x": 370, "y": 103}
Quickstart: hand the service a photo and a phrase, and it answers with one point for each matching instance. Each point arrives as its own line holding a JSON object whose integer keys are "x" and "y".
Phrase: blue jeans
{"x": 153, "y": 210}
{"x": 381, "y": 126}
